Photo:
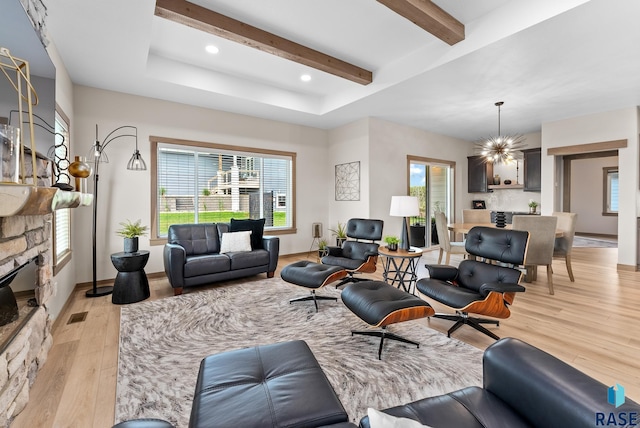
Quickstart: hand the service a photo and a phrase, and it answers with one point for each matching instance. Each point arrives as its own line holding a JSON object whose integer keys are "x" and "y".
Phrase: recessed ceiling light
{"x": 212, "y": 49}
{"x": 305, "y": 77}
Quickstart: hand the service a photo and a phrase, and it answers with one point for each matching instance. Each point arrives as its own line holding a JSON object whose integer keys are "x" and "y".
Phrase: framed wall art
{"x": 348, "y": 181}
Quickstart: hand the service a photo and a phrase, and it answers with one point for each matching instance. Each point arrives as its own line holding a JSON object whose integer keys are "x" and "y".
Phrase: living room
{"x": 380, "y": 145}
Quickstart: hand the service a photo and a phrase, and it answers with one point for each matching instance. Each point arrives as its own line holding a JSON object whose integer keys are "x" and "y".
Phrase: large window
{"x": 61, "y": 218}
{"x": 610, "y": 197}
{"x": 210, "y": 183}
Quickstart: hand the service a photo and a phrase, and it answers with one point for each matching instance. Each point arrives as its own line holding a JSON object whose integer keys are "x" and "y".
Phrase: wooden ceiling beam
{"x": 200, "y": 18}
{"x": 430, "y": 17}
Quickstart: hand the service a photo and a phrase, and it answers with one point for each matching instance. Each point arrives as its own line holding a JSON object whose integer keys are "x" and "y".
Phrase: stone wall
{"x": 22, "y": 238}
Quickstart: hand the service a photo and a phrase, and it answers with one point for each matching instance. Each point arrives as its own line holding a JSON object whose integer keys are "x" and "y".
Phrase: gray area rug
{"x": 162, "y": 343}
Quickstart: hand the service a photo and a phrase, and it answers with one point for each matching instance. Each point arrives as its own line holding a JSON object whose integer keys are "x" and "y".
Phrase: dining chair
{"x": 446, "y": 245}
{"x": 542, "y": 234}
{"x": 564, "y": 244}
{"x": 476, "y": 216}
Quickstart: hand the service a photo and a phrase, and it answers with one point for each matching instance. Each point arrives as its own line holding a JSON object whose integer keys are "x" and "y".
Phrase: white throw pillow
{"x": 235, "y": 241}
{"x": 379, "y": 419}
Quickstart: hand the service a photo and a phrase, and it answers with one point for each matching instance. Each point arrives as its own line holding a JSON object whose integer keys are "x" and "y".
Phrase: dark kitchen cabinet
{"x": 532, "y": 170}
{"x": 480, "y": 175}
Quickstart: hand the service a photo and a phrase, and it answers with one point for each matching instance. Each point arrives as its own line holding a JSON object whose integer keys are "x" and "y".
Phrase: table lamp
{"x": 404, "y": 206}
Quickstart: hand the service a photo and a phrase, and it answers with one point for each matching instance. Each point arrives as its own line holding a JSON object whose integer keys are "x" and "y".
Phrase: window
{"x": 432, "y": 182}
{"x": 209, "y": 183}
{"x": 610, "y": 194}
{"x": 61, "y": 218}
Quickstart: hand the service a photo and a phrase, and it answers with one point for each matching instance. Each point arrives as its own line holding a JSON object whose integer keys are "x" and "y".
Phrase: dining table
{"x": 466, "y": 227}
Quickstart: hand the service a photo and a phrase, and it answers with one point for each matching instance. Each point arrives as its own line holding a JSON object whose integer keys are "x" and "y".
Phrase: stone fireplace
{"x": 25, "y": 343}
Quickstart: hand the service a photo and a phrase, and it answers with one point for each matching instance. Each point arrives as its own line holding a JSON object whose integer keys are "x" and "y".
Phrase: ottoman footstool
{"x": 380, "y": 304}
{"x": 277, "y": 385}
{"x": 312, "y": 276}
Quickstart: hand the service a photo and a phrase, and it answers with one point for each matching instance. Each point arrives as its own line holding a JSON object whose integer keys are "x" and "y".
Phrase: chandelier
{"x": 500, "y": 149}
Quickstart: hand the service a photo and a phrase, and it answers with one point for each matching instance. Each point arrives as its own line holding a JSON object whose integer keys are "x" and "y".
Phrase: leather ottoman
{"x": 380, "y": 304}
{"x": 277, "y": 385}
{"x": 312, "y": 276}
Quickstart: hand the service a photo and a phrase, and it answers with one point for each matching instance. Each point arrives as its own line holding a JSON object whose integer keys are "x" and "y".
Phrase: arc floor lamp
{"x": 97, "y": 156}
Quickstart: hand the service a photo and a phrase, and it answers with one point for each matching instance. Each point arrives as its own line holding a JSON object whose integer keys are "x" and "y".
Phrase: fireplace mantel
{"x": 22, "y": 199}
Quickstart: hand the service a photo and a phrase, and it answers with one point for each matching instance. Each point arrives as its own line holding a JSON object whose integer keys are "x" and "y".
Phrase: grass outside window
{"x": 169, "y": 218}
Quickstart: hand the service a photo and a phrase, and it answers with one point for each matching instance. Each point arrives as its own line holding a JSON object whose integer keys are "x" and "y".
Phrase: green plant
{"x": 391, "y": 240}
{"x": 340, "y": 231}
{"x": 163, "y": 191}
{"x": 322, "y": 244}
{"x": 206, "y": 192}
{"x": 132, "y": 230}
{"x": 532, "y": 203}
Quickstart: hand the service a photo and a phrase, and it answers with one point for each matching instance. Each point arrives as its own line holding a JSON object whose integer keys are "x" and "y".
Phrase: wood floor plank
{"x": 78, "y": 401}
{"x": 590, "y": 323}
{"x": 106, "y": 399}
{"x": 48, "y": 387}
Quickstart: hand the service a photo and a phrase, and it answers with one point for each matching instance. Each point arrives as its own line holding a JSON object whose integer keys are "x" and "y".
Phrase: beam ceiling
{"x": 200, "y": 18}
{"x": 430, "y": 17}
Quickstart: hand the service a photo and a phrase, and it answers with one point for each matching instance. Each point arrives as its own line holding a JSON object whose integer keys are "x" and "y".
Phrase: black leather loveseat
{"x": 522, "y": 387}
{"x": 192, "y": 255}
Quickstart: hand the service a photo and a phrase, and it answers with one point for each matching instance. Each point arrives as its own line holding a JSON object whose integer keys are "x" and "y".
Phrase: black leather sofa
{"x": 522, "y": 387}
{"x": 282, "y": 385}
{"x": 192, "y": 256}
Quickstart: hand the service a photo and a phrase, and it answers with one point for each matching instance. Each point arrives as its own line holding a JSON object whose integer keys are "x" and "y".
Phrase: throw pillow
{"x": 379, "y": 419}
{"x": 255, "y": 226}
{"x": 235, "y": 241}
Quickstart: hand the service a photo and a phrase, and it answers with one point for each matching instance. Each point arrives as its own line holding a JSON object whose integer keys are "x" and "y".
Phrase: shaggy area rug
{"x": 162, "y": 343}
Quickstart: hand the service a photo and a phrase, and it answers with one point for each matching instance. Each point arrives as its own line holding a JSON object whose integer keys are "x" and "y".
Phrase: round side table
{"x": 131, "y": 283}
{"x": 400, "y": 267}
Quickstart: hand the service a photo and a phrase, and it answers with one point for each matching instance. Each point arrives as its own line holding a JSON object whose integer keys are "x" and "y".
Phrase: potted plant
{"x": 130, "y": 232}
{"x": 392, "y": 242}
{"x": 340, "y": 233}
{"x": 533, "y": 206}
{"x": 322, "y": 248}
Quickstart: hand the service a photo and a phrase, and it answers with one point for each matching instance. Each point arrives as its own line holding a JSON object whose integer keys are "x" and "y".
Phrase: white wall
{"x": 608, "y": 126}
{"x": 390, "y": 144}
{"x": 124, "y": 194}
{"x": 65, "y": 279}
{"x": 586, "y": 179}
{"x": 348, "y": 143}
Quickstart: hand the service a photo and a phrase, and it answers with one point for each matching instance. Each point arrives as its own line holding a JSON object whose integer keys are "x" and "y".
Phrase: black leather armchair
{"x": 359, "y": 253}
{"x": 480, "y": 287}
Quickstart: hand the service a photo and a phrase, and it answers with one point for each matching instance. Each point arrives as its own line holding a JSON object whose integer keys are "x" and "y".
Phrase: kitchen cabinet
{"x": 532, "y": 169}
{"x": 480, "y": 175}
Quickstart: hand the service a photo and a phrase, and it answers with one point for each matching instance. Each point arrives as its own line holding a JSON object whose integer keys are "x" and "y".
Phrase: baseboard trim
{"x": 627, "y": 268}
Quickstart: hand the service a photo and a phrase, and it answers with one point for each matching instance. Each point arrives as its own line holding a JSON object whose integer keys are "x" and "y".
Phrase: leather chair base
{"x": 384, "y": 334}
{"x": 464, "y": 319}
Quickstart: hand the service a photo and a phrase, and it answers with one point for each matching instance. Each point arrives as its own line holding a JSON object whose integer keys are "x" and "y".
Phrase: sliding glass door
{"x": 431, "y": 181}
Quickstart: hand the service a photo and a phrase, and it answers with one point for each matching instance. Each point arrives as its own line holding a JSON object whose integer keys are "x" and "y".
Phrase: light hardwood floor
{"x": 592, "y": 324}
